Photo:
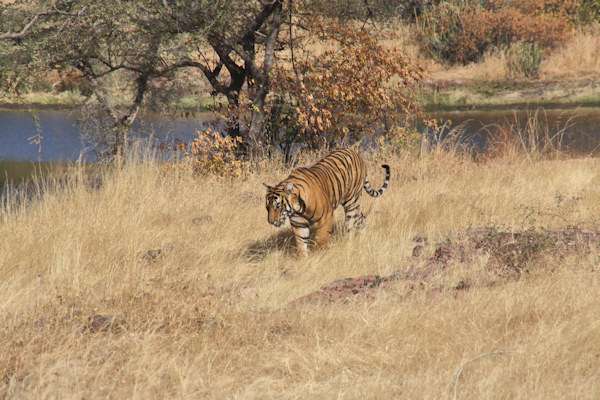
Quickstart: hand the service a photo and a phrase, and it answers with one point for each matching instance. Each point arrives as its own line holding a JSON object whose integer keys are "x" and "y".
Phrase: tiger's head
{"x": 282, "y": 202}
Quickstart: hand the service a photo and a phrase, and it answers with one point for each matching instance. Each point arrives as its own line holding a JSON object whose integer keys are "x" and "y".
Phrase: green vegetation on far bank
{"x": 501, "y": 94}
{"x": 441, "y": 94}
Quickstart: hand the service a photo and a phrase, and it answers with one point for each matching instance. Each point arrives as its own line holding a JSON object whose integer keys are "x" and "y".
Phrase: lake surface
{"x": 41, "y": 138}
{"x": 578, "y": 128}
{"x": 54, "y": 135}
{"x": 44, "y": 137}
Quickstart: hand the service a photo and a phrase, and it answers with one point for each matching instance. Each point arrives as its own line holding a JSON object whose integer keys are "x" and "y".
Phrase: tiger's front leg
{"x": 301, "y": 234}
{"x": 324, "y": 229}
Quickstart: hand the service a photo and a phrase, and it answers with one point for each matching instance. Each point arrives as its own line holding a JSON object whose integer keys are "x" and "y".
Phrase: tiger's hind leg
{"x": 354, "y": 217}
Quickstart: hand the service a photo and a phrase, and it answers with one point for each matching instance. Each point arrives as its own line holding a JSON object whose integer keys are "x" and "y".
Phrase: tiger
{"x": 308, "y": 197}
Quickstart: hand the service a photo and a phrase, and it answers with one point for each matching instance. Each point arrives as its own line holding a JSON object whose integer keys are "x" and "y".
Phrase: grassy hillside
{"x": 148, "y": 284}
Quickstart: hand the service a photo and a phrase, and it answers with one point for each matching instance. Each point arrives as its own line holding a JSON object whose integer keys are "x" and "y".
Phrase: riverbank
{"x": 445, "y": 94}
{"x": 435, "y": 94}
{"x": 74, "y": 99}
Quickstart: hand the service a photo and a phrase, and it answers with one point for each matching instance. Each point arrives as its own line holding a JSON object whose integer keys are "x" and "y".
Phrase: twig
{"x": 477, "y": 358}
{"x": 26, "y": 28}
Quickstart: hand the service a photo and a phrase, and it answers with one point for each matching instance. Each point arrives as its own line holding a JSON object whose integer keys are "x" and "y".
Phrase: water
{"x": 577, "y": 128}
{"x": 43, "y": 138}
{"x": 53, "y": 135}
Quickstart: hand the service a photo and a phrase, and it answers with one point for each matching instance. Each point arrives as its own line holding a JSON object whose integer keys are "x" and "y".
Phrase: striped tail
{"x": 377, "y": 193}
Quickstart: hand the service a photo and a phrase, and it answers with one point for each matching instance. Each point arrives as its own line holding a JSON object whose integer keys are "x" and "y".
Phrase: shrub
{"x": 524, "y": 59}
{"x": 439, "y": 29}
{"x": 210, "y": 153}
{"x": 588, "y": 12}
{"x": 357, "y": 88}
{"x": 462, "y": 31}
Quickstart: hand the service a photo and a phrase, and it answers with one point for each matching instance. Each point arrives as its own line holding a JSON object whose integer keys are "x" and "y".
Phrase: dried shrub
{"x": 524, "y": 59}
{"x": 463, "y": 31}
{"x": 211, "y": 153}
{"x": 355, "y": 88}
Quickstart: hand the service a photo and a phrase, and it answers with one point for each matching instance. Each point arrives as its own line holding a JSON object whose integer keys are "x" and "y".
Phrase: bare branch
{"x": 15, "y": 36}
{"x": 168, "y": 7}
{"x": 25, "y": 30}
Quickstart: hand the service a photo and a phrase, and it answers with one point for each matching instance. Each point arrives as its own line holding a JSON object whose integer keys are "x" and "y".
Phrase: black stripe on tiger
{"x": 308, "y": 196}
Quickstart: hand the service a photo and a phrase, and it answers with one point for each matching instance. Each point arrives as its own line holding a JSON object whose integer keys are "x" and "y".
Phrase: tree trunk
{"x": 262, "y": 84}
{"x": 120, "y": 141}
{"x": 257, "y": 122}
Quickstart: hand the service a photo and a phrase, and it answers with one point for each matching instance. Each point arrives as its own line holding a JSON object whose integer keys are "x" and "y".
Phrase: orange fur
{"x": 310, "y": 195}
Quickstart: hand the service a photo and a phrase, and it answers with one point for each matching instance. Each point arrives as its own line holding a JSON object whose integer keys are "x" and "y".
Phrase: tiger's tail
{"x": 376, "y": 193}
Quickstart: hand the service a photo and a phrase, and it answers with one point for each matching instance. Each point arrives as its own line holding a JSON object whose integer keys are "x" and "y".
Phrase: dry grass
{"x": 208, "y": 315}
{"x": 492, "y": 67}
{"x": 579, "y": 57}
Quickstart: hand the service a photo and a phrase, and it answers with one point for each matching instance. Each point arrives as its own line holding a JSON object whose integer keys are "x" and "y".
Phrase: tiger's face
{"x": 279, "y": 202}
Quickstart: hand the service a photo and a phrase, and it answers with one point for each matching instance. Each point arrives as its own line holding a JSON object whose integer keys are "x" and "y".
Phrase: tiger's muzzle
{"x": 279, "y": 222}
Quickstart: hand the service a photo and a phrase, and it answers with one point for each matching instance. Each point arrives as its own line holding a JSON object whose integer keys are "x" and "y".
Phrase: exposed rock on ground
{"x": 502, "y": 253}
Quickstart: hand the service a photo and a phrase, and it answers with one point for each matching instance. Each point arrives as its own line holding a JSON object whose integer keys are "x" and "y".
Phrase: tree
{"x": 121, "y": 46}
{"x": 358, "y": 87}
{"x": 240, "y": 31}
{"x": 118, "y": 47}
{"x": 125, "y": 47}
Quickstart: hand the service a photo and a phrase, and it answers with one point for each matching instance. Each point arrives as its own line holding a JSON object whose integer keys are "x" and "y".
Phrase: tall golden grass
{"x": 141, "y": 283}
{"x": 578, "y": 57}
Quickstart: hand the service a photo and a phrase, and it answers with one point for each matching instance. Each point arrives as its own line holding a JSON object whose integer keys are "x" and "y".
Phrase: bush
{"x": 524, "y": 59}
{"x": 357, "y": 88}
{"x": 462, "y": 31}
{"x": 210, "y": 153}
{"x": 588, "y": 12}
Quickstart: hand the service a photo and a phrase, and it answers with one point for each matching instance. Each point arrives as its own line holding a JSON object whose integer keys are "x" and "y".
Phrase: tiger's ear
{"x": 288, "y": 188}
{"x": 266, "y": 186}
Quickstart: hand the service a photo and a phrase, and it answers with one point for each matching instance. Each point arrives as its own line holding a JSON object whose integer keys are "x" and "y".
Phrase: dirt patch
{"x": 502, "y": 253}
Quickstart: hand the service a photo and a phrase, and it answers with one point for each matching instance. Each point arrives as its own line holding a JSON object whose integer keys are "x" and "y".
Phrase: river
{"x": 41, "y": 138}
{"x": 577, "y": 128}
{"x": 38, "y": 139}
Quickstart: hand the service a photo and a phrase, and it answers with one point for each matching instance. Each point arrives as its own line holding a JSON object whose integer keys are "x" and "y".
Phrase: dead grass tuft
{"x": 579, "y": 57}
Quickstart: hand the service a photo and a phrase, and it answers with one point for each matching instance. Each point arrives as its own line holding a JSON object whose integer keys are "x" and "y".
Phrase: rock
{"x": 157, "y": 254}
{"x": 152, "y": 255}
{"x": 344, "y": 288}
{"x": 420, "y": 237}
{"x": 201, "y": 220}
{"x": 502, "y": 252}
{"x": 417, "y": 250}
{"x": 444, "y": 254}
{"x": 104, "y": 323}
